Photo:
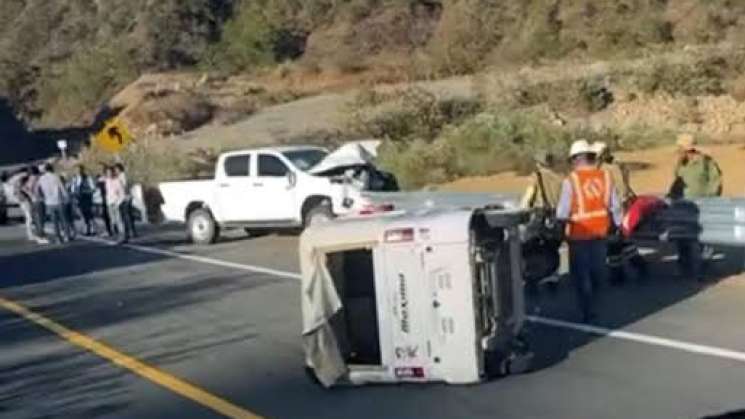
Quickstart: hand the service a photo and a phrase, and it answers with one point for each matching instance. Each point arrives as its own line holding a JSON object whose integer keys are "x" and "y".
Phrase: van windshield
{"x": 305, "y": 159}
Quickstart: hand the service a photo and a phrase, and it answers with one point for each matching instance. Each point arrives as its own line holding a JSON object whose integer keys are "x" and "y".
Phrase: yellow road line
{"x": 131, "y": 364}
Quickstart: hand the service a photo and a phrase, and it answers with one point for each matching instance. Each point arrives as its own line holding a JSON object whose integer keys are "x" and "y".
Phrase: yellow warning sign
{"x": 114, "y": 136}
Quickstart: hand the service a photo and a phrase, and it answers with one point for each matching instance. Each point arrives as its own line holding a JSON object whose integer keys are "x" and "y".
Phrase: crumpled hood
{"x": 361, "y": 153}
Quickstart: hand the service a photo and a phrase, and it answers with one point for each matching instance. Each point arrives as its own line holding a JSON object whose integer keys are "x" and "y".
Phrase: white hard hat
{"x": 581, "y": 147}
{"x": 600, "y": 147}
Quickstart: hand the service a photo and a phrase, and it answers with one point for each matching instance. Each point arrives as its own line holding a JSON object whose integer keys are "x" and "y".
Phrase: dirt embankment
{"x": 651, "y": 172}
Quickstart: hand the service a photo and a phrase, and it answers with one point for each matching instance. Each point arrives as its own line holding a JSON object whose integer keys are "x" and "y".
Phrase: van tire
{"x": 320, "y": 213}
{"x": 202, "y": 228}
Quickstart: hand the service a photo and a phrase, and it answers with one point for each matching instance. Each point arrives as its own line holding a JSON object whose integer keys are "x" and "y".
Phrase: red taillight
{"x": 409, "y": 372}
{"x": 375, "y": 209}
{"x": 399, "y": 235}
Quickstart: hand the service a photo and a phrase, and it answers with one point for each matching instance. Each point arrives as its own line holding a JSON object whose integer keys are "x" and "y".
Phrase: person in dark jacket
{"x": 82, "y": 188}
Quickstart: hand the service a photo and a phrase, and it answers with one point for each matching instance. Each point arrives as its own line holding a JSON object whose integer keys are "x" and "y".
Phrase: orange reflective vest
{"x": 590, "y": 216}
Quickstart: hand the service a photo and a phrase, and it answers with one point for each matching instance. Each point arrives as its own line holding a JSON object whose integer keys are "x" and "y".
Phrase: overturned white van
{"x": 416, "y": 296}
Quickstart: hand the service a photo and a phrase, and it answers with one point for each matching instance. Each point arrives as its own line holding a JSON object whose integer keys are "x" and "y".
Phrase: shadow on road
{"x": 106, "y": 292}
{"x": 622, "y": 305}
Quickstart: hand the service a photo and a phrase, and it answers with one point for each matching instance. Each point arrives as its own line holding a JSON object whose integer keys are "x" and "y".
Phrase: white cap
{"x": 581, "y": 147}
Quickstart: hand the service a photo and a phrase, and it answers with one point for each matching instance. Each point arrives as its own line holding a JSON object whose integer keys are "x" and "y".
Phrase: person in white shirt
{"x": 115, "y": 197}
{"x": 53, "y": 191}
{"x": 126, "y": 209}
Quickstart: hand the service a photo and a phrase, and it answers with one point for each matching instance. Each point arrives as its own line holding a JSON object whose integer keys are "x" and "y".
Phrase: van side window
{"x": 271, "y": 166}
{"x": 238, "y": 166}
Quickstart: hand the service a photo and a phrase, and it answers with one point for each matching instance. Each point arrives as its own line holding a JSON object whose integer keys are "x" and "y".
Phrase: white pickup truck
{"x": 259, "y": 189}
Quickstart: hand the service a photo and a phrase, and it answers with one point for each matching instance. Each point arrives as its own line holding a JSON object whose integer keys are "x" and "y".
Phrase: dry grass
{"x": 150, "y": 161}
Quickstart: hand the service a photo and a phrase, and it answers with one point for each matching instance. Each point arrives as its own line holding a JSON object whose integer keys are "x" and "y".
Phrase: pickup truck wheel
{"x": 202, "y": 228}
{"x": 320, "y": 214}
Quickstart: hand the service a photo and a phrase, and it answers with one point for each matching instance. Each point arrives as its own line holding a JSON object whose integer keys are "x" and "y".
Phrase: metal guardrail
{"x": 438, "y": 199}
{"x": 716, "y": 221}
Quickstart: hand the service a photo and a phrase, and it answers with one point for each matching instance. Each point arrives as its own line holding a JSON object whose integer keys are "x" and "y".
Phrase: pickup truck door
{"x": 235, "y": 189}
{"x": 273, "y": 190}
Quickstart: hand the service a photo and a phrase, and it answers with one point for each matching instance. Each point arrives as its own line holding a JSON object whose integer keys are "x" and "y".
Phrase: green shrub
{"x": 642, "y": 136}
{"x": 80, "y": 85}
{"x": 419, "y": 163}
{"x": 582, "y": 96}
{"x": 498, "y": 141}
{"x": 407, "y": 114}
{"x": 468, "y": 31}
{"x": 150, "y": 161}
{"x": 688, "y": 79}
{"x": 247, "y": 42}
{"x": 484, "y": 144}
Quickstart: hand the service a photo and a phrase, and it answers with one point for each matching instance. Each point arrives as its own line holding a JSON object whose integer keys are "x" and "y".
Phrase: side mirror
{"x": 291, "y": 179}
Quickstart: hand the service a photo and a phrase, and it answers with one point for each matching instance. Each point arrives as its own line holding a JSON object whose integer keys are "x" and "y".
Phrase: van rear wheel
{"x": 202, "y": 228}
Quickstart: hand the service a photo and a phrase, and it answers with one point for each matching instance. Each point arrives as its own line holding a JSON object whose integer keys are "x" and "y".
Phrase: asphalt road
{"x": 234, "y": 334}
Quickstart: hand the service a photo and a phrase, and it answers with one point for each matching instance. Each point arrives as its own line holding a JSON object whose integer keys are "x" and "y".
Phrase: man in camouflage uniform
{"x": 620, "y": 251}
{"x": 697, "y": 175}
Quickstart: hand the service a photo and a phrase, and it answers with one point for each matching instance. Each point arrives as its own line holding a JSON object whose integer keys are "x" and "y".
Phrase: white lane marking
{"x": 694, "y": 348}
{"x": 651, "y": 340}
{"x": 202, "y": 259}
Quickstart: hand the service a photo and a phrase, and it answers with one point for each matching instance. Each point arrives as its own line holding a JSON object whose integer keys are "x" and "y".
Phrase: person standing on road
{"x": 38, "y": 212}
{"x": 25, "y": 204}
{"x": 115, "y": 196}
{"x": 621, "y": 251}
{"x": 545, "y": 186}
{"x": 590, "y": 208}
{"x": 127, "y": 209}
{"x": 83, "y": 188}
{"x": 697, "y": 175}
{"x": 100, "y": 200}
{"x": 542, "y": 196}
{"x": 55, "y": 196}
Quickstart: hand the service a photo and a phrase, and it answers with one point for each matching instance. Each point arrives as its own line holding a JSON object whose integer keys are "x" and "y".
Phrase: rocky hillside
{"x": 61, "y": 60}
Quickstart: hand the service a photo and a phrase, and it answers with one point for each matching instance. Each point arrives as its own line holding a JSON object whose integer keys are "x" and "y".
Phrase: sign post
{"x": 62, "y": 145}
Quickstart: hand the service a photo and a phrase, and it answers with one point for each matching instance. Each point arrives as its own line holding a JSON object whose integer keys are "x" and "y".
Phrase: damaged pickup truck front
{"x": 273, "y": 188}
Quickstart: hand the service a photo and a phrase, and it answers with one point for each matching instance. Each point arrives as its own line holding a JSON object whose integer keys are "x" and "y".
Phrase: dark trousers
{"x": 689, "y": 258}
{"x": 85, "y": 207}
{"x": 39, "y": 214}
{"x": 587, "y": 268}
{"x": 127, "y": 214}
{"x": 103, "y": 211}
{"x": 623, "y": 253}
{"x": 62, "y": 225}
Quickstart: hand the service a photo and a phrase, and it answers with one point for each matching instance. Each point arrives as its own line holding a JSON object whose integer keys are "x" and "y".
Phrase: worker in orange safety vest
{"x": 591, "y": 210}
